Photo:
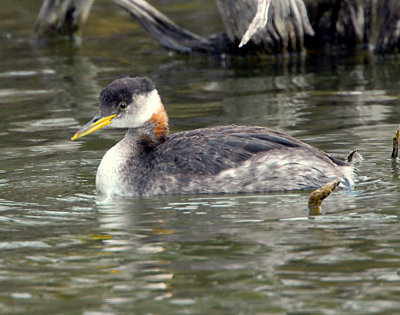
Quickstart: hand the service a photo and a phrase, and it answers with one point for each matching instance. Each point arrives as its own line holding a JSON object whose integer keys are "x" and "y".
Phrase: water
{"x": 63, "y": 251}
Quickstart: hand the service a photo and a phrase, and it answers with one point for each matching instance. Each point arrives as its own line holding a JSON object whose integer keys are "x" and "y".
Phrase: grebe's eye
{"x": 123, "y": 105}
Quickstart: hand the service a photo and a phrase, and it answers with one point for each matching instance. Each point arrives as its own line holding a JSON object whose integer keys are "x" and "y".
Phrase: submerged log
{"x": 62, "y": 17}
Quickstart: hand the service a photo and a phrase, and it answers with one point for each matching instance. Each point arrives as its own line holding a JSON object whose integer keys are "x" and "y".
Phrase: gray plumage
{"x": 230, "y": 159}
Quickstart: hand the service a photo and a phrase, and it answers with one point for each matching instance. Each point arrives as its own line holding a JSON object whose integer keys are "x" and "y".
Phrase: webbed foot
{"x": 316, "y": 197}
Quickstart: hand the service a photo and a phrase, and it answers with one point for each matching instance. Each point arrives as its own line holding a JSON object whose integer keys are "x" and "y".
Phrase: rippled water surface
{"x": 64, "y": 251}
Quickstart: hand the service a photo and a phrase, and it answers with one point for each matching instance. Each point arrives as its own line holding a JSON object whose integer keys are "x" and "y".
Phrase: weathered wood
{"x": 166, "y": 32}
{"x": 389, "y": 37}
{"x": 62, "y": 17}
{"x": 284, "y": 32}
{"x": 259, "y": 21}
{"x": 340, "y": 23}
{"x": 281, "y": 26}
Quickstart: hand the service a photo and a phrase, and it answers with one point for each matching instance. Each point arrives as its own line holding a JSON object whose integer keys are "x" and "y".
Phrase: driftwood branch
{"x": 279, "y": 28}
{"x": 260, "y": 20}
{"x": 166, "y": 32}
{"x": 389, "y": 37}
{"x": 341, "y": 23}
{"x": 351, "y": 23}
{"x": 289, "y": 23}
{"x": 62, "y": 17}
{"x": 251, "y": 26}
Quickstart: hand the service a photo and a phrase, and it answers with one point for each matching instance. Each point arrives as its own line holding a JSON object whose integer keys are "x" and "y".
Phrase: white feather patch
{"x": 140, "y": 112}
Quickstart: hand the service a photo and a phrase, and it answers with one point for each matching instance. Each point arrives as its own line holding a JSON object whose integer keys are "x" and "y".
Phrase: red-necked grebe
{"x": 229, "y": 159}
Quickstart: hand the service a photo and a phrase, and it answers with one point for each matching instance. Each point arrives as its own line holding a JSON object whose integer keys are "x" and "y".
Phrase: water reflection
{"x": 188, "y": 251}
{"x": 249, "y": 252}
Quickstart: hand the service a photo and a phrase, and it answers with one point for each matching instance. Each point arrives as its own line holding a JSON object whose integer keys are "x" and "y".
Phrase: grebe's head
{"x": 128, "y": 103}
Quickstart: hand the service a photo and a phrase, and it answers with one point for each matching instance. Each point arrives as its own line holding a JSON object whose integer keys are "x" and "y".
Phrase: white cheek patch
{"x": 138, "y": 114}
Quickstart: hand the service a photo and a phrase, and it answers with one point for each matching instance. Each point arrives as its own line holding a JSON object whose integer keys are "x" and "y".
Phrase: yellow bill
{"x": 96, "y": 123}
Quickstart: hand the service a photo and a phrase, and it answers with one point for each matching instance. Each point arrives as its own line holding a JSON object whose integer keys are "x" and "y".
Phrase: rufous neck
{"x": 160, "y": 121}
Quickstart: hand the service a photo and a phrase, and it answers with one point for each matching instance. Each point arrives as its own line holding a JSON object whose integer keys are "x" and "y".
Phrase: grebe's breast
{"x": 114, "y": 173}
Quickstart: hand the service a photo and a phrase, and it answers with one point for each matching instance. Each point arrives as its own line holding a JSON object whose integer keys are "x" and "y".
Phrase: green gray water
{"x": 62, "y": 251}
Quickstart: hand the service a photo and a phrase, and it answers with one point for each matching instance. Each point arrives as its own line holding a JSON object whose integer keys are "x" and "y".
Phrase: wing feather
{"x": 212, "y": 150}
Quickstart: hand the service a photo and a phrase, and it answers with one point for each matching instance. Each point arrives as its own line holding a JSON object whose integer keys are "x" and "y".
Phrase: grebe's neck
{"x": 152, "y": 133}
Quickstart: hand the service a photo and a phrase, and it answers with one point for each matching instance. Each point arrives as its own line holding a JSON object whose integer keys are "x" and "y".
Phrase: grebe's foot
{"x": 395, "y": 152}
{"x": 354, "y": 157}
{"x": 316, "y": 197}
